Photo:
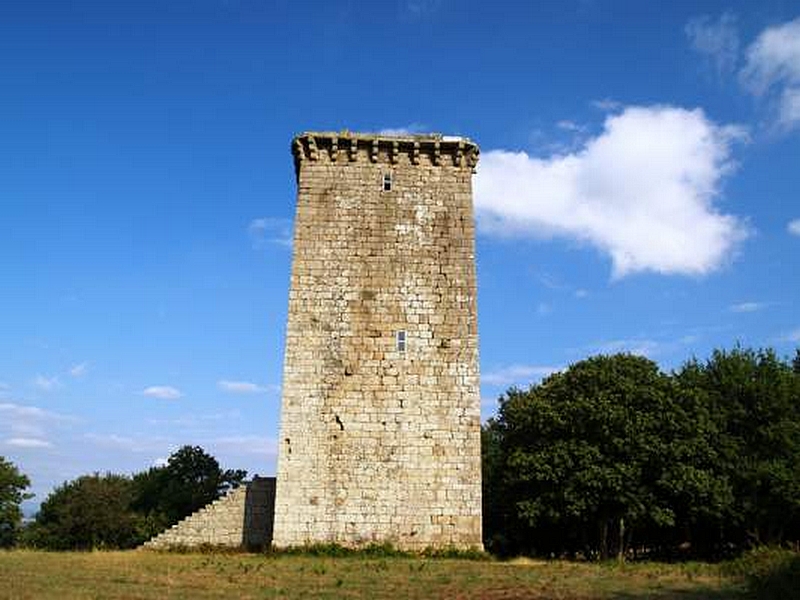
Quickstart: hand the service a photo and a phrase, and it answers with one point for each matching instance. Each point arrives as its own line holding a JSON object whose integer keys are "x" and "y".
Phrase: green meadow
{"x": 140, "y": 574}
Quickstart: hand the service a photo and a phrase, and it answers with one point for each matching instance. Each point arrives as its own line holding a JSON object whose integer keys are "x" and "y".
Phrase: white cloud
{"x": 717, "y": 40}
{"x": 792, "y": 336}
{"x": 46, "y": 384}
{"x": 412, "y": 129}
{"x": 516, "y": 374}
{"x": 245, "y": 444}
{"x": 640, "y": 347}
{"x": 20, "y": 442}
{"x": 772, "y": 66}
{"x": 26, "y": 426}
{"x": 422, "y": 8}
{"x": 164, "y": 392}
{"x": 568, "y": 125}
{"x": 244, "y": 387}
{"x": 129, "y": 443}
{"x": 199, "y": 421}
{"x": 581, "y": 293}
{"x": 746, "y": 307}
{"x": 794, "y": 227}
{"x": 642, "y": 191}
{"x": 270, "y": 230}
{"x": 79, "y": 370}
{"x": 607, "y": 105}
{"x": 21, "y": 411}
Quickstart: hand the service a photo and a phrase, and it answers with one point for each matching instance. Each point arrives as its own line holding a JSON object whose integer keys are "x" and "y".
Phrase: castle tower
{"x": 380, "y": 421}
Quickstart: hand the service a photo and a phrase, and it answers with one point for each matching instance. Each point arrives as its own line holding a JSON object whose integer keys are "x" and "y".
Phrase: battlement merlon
{"x": 430, "y": 148}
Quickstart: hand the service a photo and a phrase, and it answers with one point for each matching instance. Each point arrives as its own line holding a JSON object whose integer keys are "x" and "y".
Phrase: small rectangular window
{"x": 401, "y": 341}
{"x": 387, "y": 182}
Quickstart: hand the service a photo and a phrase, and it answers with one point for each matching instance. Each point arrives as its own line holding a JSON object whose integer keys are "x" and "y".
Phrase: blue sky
{"x": 638, "y": 191}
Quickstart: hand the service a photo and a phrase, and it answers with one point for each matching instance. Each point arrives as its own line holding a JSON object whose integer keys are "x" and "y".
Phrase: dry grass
{"x": 137, "y": 574}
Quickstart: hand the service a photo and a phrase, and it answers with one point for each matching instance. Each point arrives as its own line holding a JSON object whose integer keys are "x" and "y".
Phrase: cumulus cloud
{"x": 717, "y": 40}
{"x": 245, "y": 445}
{"x": 792, "y": 336}
{"x": 607, "y": 104}
{"x": 11, "y": 411}
{"x": 270, "y": 230}
{"x": 516, "y": 374}
{"x": 568, "y": 125}
{"x": 794, "y": 227}
{"x": 26, "y": 426}
{"x": 410, "y": 129}
{"x": 643, "y": 191}
{"x": 46, "y": 384}
{"x": 747, "y": 307}
{"x": 638, "y": 346}
{"x": 243, "y": 387}
{"x": 422, "y": 8}
{"x": 772, "y": 67}
{"x": 20, "y": 442}
{"x": 79, "y": 370}
{"x": 164, "y": 392}
{"x": 135, "y": 443}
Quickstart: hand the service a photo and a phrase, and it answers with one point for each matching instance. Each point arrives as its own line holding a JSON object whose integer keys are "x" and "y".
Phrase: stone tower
{"x": 380, "y": 421}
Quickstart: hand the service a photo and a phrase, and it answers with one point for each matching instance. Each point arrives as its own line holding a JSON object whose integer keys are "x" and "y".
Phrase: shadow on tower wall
{"x": 259, "y": 513}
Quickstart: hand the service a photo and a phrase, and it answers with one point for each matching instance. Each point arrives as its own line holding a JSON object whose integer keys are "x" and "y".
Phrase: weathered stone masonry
{"x": 241, "y": 518}
{"x": 380, "y": 426}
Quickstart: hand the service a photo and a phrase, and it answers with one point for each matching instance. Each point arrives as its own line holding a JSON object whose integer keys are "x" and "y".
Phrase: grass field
{"x": 137, "y": 574}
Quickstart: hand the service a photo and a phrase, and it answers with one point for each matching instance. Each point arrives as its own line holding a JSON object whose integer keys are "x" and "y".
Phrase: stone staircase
{"x": 240, "y": 519}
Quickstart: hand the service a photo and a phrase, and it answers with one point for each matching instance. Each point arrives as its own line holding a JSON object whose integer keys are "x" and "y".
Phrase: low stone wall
{"x": 241, "y": 518}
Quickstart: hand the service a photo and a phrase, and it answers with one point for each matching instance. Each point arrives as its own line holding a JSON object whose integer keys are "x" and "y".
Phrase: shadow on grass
{"x": 695, "y": 594}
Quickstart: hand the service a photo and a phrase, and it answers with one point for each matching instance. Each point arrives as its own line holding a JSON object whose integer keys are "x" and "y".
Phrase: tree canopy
{"x": 118, "y": 511}
{"x": 12, "y": 492}
{"x": 190, "y": 480}
{"x": 613, "y": 455}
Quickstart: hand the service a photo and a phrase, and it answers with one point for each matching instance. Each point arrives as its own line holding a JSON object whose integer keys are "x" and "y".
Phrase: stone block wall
{"x": 380, "y": 422}
{"x": 241, "y": 518}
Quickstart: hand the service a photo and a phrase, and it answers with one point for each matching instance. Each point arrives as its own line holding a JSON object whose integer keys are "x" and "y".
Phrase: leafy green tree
{"x": 753, "y": 398}
{"x": 607, "y": 455}
{"x": 12, "y": 493}
{"x": 613, "y": 454}
{"x": 92, "y": 511}
{"x": 584, "y": 452}
{"x": 190, "y": 480}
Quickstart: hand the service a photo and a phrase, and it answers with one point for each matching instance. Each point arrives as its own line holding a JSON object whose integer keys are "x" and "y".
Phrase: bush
{"x": 769, "y": 573}
{"x": 89, "y": 512}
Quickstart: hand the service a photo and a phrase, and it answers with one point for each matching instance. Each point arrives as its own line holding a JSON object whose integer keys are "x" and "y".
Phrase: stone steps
{"x": 241, "y": 518}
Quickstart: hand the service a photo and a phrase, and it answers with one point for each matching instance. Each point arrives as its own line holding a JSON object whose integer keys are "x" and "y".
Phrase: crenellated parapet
{"x": 425, "y": 149}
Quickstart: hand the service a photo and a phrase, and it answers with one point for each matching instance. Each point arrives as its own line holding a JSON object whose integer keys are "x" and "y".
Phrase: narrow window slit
{"x": 400, "y": 338}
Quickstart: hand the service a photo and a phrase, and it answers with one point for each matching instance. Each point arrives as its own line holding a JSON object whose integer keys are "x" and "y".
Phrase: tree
{"x": 12, "y": 493}
{"x": 612, "y": 453}
{"x": 190, "y": 480}
{"x": 92, "y": 511}
{"x": 754, "y": 400}
{"x": 597, "y": 458}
